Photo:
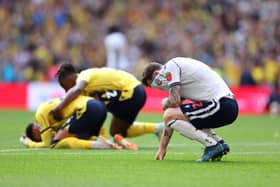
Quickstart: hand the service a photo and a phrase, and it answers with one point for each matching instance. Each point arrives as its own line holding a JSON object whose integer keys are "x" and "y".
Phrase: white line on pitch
{"x": 174, "y": 145}
{"x": 111, "y": 152}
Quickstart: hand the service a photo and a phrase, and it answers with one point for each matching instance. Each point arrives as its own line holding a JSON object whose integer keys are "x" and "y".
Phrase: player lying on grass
{"x": 213, "y": 104}
{"x": 123, "y": 95}
{"x": 40, "y": 133}
{"x": 86, "y": 117}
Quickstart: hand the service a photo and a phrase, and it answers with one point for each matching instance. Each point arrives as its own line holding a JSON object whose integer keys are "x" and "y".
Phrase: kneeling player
{"x": 212, "y": 104}
{"x": 87, "y": 116}
{"x": 121, "y": 92}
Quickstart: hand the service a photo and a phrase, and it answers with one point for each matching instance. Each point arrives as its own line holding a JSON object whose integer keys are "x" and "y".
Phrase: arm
{"x": 174, "y": 98}
{"x": 166, "y": 135}
{"x": 174, "y": 75}
{"x": 72, "y": 94}
{"x": 42, "y": 144}
{"x": 46, "y": 140}
{"x": 31, "y": 144}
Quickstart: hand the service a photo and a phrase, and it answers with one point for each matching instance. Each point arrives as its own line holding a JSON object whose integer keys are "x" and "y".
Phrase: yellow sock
{"x": 140, "y": 128}
{"x": 73, "y": 143}
{"x": 103, "y": 132}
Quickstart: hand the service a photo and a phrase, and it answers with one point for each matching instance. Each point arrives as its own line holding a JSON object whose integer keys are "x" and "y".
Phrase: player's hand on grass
{"x": 160, "y": 154}
{"x": 24, "y": 140}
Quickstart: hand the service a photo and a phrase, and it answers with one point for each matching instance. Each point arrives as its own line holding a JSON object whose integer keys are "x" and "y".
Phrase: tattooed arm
{"x": 164, "y": 140}
{"x": 174, "y": 98}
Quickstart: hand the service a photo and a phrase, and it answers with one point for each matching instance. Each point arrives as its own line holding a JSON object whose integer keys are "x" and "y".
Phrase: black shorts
{"x": 90, "y": 122}
{"x": 211, "y": 114}
{"x": 128, "y": 110}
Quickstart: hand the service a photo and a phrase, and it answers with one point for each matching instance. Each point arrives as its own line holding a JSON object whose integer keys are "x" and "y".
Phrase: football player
{"x": 123, "y": 95}
{"x": 212, "y": 103}
{"x": 85, "y": 118}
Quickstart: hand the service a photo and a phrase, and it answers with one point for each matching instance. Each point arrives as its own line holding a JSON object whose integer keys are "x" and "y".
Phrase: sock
{"x": 74, "y": 143}
{"x": 186, "y": 129}
{"x": 212, "y": 134}
{"x": 99, "y": 145}
{"x": 139, "y": 128}
{"x": 103, "y": 133}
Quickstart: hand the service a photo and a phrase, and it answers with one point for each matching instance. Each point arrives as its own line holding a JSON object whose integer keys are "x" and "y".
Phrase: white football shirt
{"x": 198, "y": 81}
{"x": 116, "y": 51}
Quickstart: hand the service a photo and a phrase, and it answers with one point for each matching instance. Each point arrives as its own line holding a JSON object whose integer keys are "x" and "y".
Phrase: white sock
{"x": 188, "y": 130}
{"x": 99, "y": 145}
{"x": 212, "y": 134}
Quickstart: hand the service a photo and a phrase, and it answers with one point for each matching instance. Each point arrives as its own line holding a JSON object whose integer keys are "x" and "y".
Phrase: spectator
{"x": 211, "y": 30}
{"x": 8, "y": 72}
{"x": 273, "y": 103}
{"x": 116, "y": 49}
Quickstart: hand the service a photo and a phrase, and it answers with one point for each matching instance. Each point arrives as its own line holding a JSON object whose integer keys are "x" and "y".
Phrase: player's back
{"x": 43, "y": 116}
{"x": 77, "y": 106}
{"x": 107, "y": 79}
{"x": 199, "y": 81}
{"x": 45, "y": 119}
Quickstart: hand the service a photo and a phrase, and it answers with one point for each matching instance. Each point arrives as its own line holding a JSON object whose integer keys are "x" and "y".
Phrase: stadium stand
{"x": 239, "y": 38}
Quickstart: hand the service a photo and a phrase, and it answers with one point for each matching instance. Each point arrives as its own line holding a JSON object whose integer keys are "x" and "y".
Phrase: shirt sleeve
{"x": 46, "y": 135}
{"x": 173, "y": 73}
{"x": 84, "y": 75}
{"x": 46, "y": 140}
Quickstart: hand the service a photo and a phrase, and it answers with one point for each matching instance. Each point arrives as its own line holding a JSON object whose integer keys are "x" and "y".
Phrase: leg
{"x": 84, "y": 126}
{"x": 135, "y": 129}
{"x": 125, "y": 112}
{"x": 141, "y": 128}
{"x": 175, "y": 119}
{"x": 91, "y": 121}
{"x": 118, "y": 130}
{"x": 76, "y": 143}
{"x": 212, "y": 134}
{"x": 63, "y": 133}
{"x": 119, "y": 126}
{"x": 212, "y": 114}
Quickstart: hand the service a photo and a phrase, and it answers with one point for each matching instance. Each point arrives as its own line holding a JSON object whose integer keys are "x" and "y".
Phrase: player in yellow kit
{"x": 81, "y": 120}
{"x": 122, "y": 93}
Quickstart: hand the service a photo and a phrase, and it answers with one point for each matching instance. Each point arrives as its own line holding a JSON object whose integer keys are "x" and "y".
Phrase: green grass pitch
{"x": 254, "y": 160}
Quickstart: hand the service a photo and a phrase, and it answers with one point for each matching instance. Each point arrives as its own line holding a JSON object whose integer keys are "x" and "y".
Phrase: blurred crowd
{"x": 240, "y": 39}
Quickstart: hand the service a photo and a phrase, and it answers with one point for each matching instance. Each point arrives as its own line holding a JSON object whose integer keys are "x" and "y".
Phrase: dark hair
{"x": 29, "y": 131}
{"x": 113, "y": 29}
{"x": 148, "y": 72}
{"x": 65, "y": 70}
